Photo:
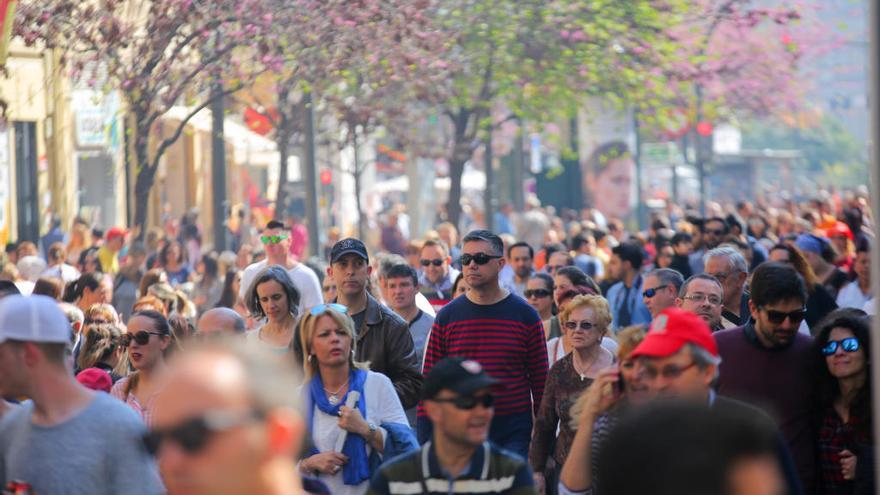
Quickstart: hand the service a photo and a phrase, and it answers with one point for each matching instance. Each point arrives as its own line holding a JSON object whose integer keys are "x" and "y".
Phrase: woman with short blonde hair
{"x": 585, "y": 320}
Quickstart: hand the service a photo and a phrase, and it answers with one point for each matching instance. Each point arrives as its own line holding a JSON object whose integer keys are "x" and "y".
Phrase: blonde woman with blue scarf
{"x": 328, "y": 340}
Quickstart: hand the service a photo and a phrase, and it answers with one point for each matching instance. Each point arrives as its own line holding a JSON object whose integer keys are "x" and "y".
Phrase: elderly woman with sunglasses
{"x": 842, "y": 378}
{"x": 346, "y": 403}
{"x": 585, "y": 320}
{"x": 148, "y": 339}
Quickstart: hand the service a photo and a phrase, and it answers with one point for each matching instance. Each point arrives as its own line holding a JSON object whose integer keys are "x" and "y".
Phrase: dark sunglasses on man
{"x": 649, "y": 293}
{"x": 193, "y": 434}
{"x": 469, "y": 401}
{"x": 142, "y": 338}
{"x": 479, "y": 258}
{"x": 778, "y": 317}
{"x": 435, "y": 262}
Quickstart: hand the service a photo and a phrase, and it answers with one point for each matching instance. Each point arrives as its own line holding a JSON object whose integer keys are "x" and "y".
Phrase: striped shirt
{"x": 491, "y": 470}
{"x": 507, "y": 338}
{"x": 145, "y": 410}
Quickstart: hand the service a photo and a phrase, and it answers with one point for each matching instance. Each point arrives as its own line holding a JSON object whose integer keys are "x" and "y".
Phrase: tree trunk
{"x": 461, "y": 153}
{"x": 282, "y": 141}
{"x": 146, "y": 174}
{"x": 357, "y": 187}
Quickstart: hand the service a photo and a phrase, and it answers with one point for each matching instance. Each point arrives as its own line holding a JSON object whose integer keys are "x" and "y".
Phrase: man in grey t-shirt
{"x": 66, "y": 439}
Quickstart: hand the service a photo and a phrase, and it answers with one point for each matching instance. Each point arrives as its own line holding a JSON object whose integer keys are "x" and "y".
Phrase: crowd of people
{"x": 565, "y": 354}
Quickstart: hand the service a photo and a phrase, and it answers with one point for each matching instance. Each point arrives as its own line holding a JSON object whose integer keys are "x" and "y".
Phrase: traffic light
{"x": 326, "y": 177}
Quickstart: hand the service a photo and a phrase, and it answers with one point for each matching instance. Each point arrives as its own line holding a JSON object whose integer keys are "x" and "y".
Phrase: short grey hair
{"x": 683, "y": 291}
{"x": 703, "y": 358}
{"x": 668, "y": 276}
{"x": 734, "y": 258}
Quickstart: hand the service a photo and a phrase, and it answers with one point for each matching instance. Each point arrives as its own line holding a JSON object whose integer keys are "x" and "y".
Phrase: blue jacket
{"x": 637, "y": 309}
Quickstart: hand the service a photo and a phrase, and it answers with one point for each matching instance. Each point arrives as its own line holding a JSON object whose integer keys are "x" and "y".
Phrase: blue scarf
{"x": 357, "y": 469}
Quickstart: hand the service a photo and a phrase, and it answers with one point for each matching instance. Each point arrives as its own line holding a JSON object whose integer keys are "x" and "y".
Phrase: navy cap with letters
{"x": 349, "y": 245}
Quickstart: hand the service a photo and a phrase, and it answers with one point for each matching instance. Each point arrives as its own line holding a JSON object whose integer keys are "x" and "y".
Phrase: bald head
{"x": 246, "y": 390}
{"x": 220, "y": 321}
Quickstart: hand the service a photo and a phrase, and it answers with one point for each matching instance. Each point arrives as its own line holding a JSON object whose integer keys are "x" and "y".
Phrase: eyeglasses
{"x": 714, "y": 231}
{"x": 698, "y": 298}
{"x": 435, "y": 262}
{"x": 649, "y": 293}
{"x": 553, "y": 268}
{"x": 850, "y": 344}
{"x": 670, "y": 372}
{"x": 272, "y": 239}
{"x": 583, "y": 325}
{"x": 192, "y": 435}
{"x": 479, "y": 258}
{"x": 778, "y": 317}
{"x": 721, "y": 277}
{"x": 539, "y": 293}
{"x": 321, "y": 308}
{"x": 142, "y": 337}
{"x": 91, "y": 321}
{"x": 469, "y": 401}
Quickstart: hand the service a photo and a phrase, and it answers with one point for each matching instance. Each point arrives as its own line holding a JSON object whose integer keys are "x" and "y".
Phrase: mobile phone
{"x": 618, "y": 385}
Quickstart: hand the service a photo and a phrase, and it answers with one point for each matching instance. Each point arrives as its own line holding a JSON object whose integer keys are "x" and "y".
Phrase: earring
{"x": 309, "y": 359}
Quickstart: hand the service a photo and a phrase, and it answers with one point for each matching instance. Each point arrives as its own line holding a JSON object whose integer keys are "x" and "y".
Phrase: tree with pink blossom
{"x": 158, "y": 54}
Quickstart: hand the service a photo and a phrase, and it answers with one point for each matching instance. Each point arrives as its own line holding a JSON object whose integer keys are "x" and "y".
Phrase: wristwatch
{"x": 373, "y": 429}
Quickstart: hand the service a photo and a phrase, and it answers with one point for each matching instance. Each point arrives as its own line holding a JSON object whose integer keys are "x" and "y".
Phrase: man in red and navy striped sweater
{"x": 503, "y": 333}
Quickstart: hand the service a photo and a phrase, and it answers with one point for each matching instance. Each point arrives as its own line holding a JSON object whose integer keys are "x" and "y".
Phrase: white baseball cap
{"x": 33, "y": 319}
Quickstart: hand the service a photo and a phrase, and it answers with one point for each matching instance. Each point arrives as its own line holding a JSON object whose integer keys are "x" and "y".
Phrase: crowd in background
{"x": 551, "y": 337}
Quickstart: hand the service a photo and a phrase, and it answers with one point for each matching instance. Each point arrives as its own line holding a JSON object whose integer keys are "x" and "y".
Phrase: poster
{"x": 606, "y": 147}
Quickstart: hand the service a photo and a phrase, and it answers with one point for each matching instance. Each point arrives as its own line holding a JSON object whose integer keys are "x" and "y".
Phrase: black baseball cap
{"x": 461, "y": 375}
{"x": 348, "y": 246}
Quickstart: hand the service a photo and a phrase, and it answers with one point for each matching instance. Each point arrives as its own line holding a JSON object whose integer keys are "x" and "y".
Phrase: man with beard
{"x": 520, "y": 257}
{"x": 702, "y": 295}
{"x": 766, "y": 362}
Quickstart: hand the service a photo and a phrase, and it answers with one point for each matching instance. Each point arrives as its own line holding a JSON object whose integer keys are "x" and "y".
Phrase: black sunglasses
{"x": 649, "y": 293}
{"x": 850, "y": 344}
{"x": 436, "y": 262}
{"x": 778, "y": 317}
{"x": 539, "y": 293}
{"x": 479, "y": 258}
{"x": 584, "y": 325}
{"x": 469, "y": 401}
{"x": 193, "y": 434}
{"x": 142, "y": 338}
{"x": 714, "y": 231}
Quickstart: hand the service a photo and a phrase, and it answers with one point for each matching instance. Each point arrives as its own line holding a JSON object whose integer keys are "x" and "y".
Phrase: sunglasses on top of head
{"x": 479, "y": 258}
{"x": 850, "y": 344}
{"x": 142, "y": 337}
{"x": 322, "y": 308}
{"x": 193, "y": 434}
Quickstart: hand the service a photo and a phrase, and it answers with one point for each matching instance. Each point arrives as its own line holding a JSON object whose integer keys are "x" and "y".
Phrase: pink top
{"x": 145, "y": 411}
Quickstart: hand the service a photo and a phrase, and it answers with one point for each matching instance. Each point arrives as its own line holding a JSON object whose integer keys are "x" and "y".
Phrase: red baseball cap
{"x": 115, "y": 232}
{"x": 95, "y": 379}
{"x": 671, "y": 330}
{"x": 839, "y": 229}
